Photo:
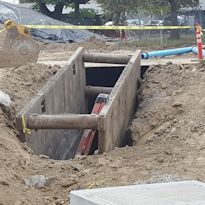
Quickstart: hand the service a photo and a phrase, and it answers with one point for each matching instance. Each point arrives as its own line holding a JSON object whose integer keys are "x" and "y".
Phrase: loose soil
{"x": 22, "y": 83}
{"x": 168, "y": 134}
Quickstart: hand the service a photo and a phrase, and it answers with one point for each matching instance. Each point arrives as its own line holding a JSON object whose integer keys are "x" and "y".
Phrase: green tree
{"x": 58, "y": 6}
{"x": 116, "y": 9}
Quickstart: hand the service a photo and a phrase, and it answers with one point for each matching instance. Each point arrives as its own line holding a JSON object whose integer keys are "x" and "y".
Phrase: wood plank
{"x": 62, "y": 121}
{"x": 117, "y": 113}
{"x": 58, "y": 96}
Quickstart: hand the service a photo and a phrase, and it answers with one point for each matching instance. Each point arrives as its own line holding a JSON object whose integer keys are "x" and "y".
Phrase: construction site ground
{"x": 168, "y": 133}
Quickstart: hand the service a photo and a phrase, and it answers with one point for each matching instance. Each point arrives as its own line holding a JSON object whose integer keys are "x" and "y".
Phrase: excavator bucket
{"x": 18, "y": 47}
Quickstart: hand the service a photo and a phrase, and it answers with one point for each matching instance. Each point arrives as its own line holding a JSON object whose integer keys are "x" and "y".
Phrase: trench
{"x": 107, "y": 77}
{"x": 101, "y": 76}
{"x": 143, "y": 71}
{"x": 63, "y": 143}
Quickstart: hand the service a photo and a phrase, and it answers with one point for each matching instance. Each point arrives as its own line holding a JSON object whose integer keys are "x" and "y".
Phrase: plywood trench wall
{"x": 65, "y": 93}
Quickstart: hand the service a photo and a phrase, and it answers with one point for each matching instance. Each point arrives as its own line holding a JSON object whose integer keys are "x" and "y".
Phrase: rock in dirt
{"x": 69, "y": 182}
{"x": 42, "y": 156}
{"x": 177, "y": 104}
{"x": 5, "y": 99}
{"x": 4, "y": 183}
{"x": 39, "y": 181}
{"x": 27, "y": 148}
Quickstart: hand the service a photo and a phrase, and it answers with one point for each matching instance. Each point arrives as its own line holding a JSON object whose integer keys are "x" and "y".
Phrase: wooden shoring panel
{"x": 62, "y": 121}
{"x": 116, "y": 115}
{"x": 64, "y": 93}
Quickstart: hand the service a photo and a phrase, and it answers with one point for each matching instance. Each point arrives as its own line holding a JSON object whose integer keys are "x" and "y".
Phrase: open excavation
{"x": 86, "y": 116}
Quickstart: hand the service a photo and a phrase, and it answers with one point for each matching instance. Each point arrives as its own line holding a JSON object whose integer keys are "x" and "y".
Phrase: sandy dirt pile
{"x": 170, "y": 120}
{"x": 168, "y": 136}
{"x": 23, "y": 82}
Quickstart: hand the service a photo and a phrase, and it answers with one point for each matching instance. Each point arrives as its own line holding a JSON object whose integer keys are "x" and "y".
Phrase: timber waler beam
{"x": 89, "y": 122}
{"x": 61, "y": 121}
{"x": 67, "y": 121}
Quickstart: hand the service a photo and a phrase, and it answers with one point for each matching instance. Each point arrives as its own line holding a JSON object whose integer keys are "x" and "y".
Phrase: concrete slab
{"x": 147, "y": 62}
{"x": 172, "y": 193}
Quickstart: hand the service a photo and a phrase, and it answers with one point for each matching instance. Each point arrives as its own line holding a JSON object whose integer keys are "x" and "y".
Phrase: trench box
{"x": 65, "y": 94}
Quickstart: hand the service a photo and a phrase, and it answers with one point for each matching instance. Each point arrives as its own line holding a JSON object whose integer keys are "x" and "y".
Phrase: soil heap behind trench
{"x": 168, "y": 133}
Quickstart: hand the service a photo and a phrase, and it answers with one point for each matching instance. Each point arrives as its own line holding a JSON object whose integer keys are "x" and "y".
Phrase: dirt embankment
{"x": 168, "y": 133}
{"x": 170, "y": 120}
{"x": 23, "y": 82}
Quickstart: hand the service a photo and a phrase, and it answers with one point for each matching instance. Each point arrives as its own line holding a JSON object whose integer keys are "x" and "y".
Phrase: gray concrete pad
{"x": 172, "y": 193}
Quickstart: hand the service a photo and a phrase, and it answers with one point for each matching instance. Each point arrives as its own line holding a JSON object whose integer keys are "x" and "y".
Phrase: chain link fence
{"x": 152, "y": 39}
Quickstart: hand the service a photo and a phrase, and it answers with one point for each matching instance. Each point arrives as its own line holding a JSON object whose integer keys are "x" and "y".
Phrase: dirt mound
{"x": 91, "y": 44}
{"x": 169, "y": 124}
{"x": 16, "y": 159}
{"x": 168, "y": 136}
{"x": 169, "y": 103}
{"x": 22, "y": 83}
